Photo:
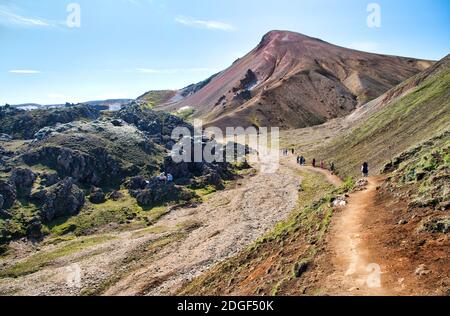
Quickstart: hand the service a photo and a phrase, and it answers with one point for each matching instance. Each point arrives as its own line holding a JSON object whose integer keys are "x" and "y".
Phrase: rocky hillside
{"x": 292, "y": 80}
{"x": 22, "y": 124}
{"x": 413, "y": 112}
{"x": 58, "y": 167}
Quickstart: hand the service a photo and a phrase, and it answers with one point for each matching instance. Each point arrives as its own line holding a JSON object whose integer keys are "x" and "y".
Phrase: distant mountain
{"x": 292, "y": 80}
{"x": 411, "y": 113}
{"x": 112, "y": 104}
{"x": 160, "y": 97}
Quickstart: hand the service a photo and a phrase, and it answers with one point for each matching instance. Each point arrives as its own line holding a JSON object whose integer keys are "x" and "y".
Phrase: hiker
{"x": 162, "y": 177}
{"x": 322, "y": 164}
{"x": 332, "y": 167}
{"x": 299, "y": 159}
{"x": 293, "y": 151}
{"x": 365, "y": 170}
{"x": 314, "y": 163}
{"x": 169, "y": 178}
{"x": 304, "y": 161}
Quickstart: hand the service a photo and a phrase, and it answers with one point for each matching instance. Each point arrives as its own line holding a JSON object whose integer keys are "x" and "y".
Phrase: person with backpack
{"x": 332, "y": 167}
{"x": 365, "y": 170}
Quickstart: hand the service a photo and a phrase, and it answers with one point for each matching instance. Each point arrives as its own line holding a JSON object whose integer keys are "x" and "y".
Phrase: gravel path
{"x": 230, "y": 221}
{"x": 219, "y": 228}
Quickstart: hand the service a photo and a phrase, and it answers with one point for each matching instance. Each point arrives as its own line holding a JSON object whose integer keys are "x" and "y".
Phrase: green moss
{"x": 42, "y": 259}
{"x": 149, "y": 230}
{"x": 426, "y": 171}
{"x": 300, "y": 267}
{"x": 185, "y": 114}
{"x": 204, "y": 192}
{"x": 276, "y": 289}
{"x": 155, "y": 98}
{"x": 124, "y": 212}
{"x": 16, "y": 227}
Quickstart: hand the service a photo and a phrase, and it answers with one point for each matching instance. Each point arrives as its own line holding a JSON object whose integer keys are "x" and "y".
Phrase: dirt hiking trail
{"x": 356, "y": 269}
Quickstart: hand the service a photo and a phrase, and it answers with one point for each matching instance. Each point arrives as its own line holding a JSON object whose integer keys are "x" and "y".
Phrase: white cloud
{"x": 7, "y": 16}
{"x": 210, "y": 25}
{"x": 365, "y": 46}
{"x": 24, "y": 71}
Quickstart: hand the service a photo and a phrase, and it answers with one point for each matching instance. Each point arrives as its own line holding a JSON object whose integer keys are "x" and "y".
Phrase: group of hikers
{"x": 165, "y": 177}
{"x": 286, "y": 151}
{"x": 301, "y": 160}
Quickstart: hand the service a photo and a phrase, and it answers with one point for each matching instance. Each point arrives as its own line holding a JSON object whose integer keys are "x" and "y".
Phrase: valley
{"x": 92, "y": 203}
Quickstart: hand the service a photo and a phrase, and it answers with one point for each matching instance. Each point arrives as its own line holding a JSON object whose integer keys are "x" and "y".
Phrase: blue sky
{"x": 126, "y": 47}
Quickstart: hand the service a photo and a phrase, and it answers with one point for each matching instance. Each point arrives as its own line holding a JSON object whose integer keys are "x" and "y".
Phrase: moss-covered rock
{"x": 63, "y": 199}
{"x": 22, "y": 124}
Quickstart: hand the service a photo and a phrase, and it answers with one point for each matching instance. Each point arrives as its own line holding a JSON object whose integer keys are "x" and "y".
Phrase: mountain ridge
{"x": 292, "y": 80}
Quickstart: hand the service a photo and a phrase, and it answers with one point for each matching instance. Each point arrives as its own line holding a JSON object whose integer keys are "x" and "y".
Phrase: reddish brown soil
{"x": 369, "y": 231}
{"x": 301, "y": 81}
{"x": 365, "y": 235}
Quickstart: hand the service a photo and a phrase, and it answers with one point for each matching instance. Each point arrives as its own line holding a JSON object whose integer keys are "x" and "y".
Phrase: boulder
{"x": 34, "y": 230}
{"x": 151, "y": 122}
{"x": 6, "y": 153}
{"x": 5, "y": 137}
{"x": 360, "y": 185}
{"x": 25, "y": 124}
{"x": 340, "y": 201}
{"x": 136, "y": 183}
{"x": 23, "y": 180}
{"x": 422, "y": 270}
{"x": 157, "y": 192}
{"x": 97, "y": 196}
{"x": 117, "y": 123}
{"x": 63, "y": 199}
{"x": 300, "y": 268}
{"x": 8, "y": 193}
{"x": 115, "y": 196}
{"x": 38, "y": 197}
{"x": 145, "y": 197}
{"x": 49, "y": 179}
